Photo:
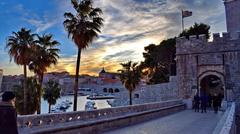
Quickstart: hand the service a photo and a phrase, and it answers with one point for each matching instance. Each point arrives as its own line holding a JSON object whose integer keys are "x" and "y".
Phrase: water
{"x": 80, "y": 105}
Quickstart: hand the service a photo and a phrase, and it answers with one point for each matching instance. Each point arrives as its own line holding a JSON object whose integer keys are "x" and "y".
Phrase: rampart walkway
{"x": 185, "y": 122}
{"x": 169, "y": 119}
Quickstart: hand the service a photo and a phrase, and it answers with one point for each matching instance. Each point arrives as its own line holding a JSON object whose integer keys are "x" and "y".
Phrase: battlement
{"x": 203, "y": 38}
{"x": 198, "y": 44}
{"x": 192, "y": 37}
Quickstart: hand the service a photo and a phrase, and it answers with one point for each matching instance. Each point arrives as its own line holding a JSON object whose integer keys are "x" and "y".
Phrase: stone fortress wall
{"x": 197, "y": 57}
{"x": 232, "y": 8}
{"x": 148, "y": 93}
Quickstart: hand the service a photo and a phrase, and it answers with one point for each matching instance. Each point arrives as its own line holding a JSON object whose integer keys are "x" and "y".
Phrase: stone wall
{"x": 227, "y": 123}
{"x": 197, "y": 56}
{"x": 233, "y": 16}
{"x": 148, "y": 93}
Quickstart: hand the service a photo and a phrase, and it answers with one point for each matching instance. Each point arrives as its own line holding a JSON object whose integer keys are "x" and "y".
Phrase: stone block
{"x": 226, "y": 35}
{"x": 216, "y": 36}
{"x": 192, "y": 37}
{"x": 203, "y": 37}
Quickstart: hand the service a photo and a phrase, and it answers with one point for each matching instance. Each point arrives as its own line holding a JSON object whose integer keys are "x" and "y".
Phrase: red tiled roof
{"x": 107, "y": 80}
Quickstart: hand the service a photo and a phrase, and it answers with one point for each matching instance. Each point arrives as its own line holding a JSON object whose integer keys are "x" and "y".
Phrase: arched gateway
{"x": 211, "y": 82}
{"x": 211, "y": 67}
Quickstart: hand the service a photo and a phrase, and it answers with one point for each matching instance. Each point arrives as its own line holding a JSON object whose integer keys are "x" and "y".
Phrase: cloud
{"x": 41, "y": 25}
{"x": 129, "y": 26}
{"x": 119, "y": 55}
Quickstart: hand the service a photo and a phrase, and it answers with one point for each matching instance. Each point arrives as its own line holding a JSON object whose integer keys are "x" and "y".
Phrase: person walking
{"x": 8, "y": 115}
{"x": 215, "y": 103}
{"x": 204, "y": 102}
{"x": 210, "y": 101}
{"x": 220, "y": 98}
{"x": 196, "y": 103}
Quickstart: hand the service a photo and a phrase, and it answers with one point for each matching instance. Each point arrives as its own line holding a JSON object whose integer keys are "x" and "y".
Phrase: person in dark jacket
{"x": 196, "y": 103}
{"x": 215, "y": 103}
{"x": 220, "y": 98}
{"x": 204, "y": 102}
{"x": 8, "y": 115}
{"x": 210, "y": 100}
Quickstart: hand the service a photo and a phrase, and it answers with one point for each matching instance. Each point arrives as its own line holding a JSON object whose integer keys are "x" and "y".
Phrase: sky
{"x": 129, "y": 26}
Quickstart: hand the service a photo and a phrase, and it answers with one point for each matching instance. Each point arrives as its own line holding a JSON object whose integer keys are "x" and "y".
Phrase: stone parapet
{"x": 95, "y": 120}
{"x": 227, "y": 124}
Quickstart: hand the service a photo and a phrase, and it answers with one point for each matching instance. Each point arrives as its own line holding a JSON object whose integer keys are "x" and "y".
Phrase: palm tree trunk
{"x": 40, "y": 94}
{"x": 25, "y": 89}
{"x": 75, "y": 88}
{"x": 49, "y": 107}
{"x": 130, "y": 97}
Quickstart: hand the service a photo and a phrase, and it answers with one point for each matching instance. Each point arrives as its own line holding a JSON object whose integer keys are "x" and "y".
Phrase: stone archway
{"x": 211, "y": 82}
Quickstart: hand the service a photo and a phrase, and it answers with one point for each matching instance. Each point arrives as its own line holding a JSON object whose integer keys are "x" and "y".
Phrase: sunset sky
{"x": 129, "y": 25}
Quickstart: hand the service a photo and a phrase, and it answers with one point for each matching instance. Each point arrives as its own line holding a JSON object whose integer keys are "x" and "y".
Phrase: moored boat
{"x": 100, "y": 97}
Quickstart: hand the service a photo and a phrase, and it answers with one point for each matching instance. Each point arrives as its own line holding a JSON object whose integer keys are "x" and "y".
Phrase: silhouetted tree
{"x": 196, "y": 29}
{"x": 82, "y": 28}
{"x": 51, "y": 93}
{"x": 19, "y": 46}
{"x": 130, "y": 76}
{"x": 44, "y": 55}
{"x": 32, "y": 89}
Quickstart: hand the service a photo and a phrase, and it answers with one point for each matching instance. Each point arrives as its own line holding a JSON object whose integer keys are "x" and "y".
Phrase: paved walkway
{"x": 185, "y": 122}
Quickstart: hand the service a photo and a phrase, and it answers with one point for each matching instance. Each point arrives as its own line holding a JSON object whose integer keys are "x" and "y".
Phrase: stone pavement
{"x": 185, "y": 122}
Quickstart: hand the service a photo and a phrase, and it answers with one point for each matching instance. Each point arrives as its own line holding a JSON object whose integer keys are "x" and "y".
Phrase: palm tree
{"x": 82, "y": 28}
{"x": 32, "y": 99}
{"x": 19, "y": 48}
{"x": 45, "y": 54}
{"x": 130, "y": 75}
{"x": 51, "y": 93}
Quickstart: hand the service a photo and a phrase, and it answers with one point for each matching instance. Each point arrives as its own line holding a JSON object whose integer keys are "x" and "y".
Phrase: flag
{"x": 186, "y": 13}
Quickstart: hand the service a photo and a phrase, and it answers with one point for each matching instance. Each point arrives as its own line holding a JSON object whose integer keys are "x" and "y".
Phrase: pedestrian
{"x": 204, "y": 102}
{"x": 8, "y": 115}
{"x": 220, "y": 98}
{"x": 215, "y": 103}
{"x": 196, "y": 103}
{"x": 210, "y": 100}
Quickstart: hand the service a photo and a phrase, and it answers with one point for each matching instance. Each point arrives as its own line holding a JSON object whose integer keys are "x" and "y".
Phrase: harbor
{"x": 64, "y": 104}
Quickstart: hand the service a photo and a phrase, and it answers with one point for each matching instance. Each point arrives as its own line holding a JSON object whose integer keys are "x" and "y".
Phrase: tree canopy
{"x": 51, "y": 93}
{"x": 196, "y": 29}
{"x": 32, "y": 96}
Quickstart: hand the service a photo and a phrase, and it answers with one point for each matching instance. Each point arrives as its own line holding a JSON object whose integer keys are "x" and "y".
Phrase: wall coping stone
{"x": 227, "y": 123}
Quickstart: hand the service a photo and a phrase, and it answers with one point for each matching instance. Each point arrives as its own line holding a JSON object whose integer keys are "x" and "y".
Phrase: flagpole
{"x": 182, "y": 22}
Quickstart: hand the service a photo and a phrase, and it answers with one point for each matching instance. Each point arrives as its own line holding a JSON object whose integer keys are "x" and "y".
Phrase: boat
{"x": 63, "y": 106}
{"x": 100, "y": 97}
{"x": 90, "y": 105}
{"x": 68, "y": 102}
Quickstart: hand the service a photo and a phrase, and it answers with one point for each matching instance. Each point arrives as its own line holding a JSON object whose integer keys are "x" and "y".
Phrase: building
{"x": 207, "y": 67}
{"x": 109, "y": 75}
{"x": 55, "y": 76}
{"x": 8, "y": 81}
{"x": 110, "y": 82}
{"x": 1, "y": 76}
